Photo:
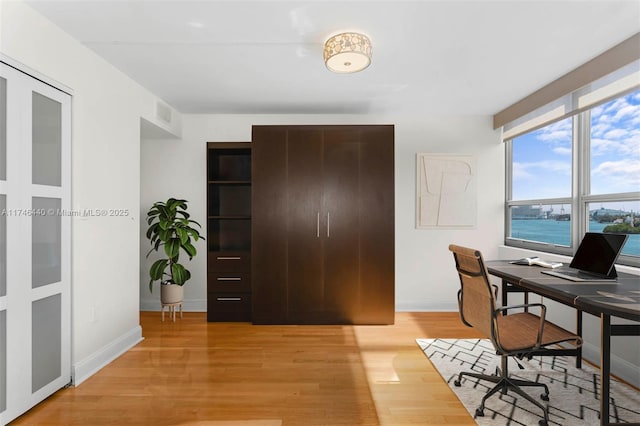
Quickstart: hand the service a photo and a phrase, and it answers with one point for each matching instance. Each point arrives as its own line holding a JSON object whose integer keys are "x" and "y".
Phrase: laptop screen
{"x": 598, "y": 252}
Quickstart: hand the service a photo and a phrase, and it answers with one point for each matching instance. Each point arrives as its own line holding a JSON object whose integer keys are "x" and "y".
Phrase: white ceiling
{"x": 431, "y": 56}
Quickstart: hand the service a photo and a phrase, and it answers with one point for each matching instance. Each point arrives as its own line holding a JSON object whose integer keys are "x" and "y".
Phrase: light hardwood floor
{"x": 196, "y": 373}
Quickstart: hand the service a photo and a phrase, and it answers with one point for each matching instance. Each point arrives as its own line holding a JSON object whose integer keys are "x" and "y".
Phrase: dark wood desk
{"x": 620, "y": 299}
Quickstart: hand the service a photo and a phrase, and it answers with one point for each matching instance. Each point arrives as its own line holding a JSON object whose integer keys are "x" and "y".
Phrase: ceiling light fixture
{"x": 347, "y": 52}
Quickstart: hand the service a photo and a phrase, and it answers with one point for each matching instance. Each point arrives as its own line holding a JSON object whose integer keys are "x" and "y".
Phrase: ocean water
{"x": 559, "y": 232}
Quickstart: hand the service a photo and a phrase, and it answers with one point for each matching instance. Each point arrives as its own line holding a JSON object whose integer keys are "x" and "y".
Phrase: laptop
{"x": 594, "y": 260}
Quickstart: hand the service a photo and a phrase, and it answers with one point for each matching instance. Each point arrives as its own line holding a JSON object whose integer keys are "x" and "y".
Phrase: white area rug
{"x": 573, "y": 393}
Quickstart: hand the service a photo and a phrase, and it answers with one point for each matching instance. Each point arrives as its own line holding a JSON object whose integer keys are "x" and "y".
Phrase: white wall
{"x": 425, "y": 273}
{"x": 107, "y": 108}
{"x": 425, "y": 276}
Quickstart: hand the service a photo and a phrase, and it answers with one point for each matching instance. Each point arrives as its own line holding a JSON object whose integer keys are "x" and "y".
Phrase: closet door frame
{"x": 35, "y": 311}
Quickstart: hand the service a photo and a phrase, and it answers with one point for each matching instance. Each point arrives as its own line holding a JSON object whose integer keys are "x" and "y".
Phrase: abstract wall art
{"x": 446, "y": 191}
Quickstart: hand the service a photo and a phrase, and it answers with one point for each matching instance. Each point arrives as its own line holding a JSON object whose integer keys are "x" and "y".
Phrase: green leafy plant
{"x": 171, "y": 229}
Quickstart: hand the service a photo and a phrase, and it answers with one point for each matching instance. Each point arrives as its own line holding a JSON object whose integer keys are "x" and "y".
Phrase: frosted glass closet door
{"x": 3, "y": 245}
{"x": 35, "y": 303}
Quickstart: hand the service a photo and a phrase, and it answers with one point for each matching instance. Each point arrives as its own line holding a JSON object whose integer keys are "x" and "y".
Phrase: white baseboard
{"x": 191, "y": 305}
{"x": 426, "y": 307}
{"x": 619, "y": 366}
{"x": 89, "y": 366}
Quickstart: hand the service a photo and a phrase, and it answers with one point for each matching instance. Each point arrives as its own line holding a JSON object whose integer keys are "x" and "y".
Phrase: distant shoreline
{"x": 558, "y": 232}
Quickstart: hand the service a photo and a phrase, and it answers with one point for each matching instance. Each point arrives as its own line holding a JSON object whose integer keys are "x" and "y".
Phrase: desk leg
{"x": 605, "y": 367}
{"x": 579, "y": 333}
{"x": 505, "y": 292}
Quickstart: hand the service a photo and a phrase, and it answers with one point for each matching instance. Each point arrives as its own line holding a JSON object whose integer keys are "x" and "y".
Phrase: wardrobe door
{"x": 3, "y": 247}
{"x": 269, "y": 201}
{"x": 377, "y": 227}
{"x": 341, "y": 224}
{"x": 305, "y": 226}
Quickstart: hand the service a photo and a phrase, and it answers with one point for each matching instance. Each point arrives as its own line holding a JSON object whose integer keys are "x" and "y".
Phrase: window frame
{"x": 580, "y": 197}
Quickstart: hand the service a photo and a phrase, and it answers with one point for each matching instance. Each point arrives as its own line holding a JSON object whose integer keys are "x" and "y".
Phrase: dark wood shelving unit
{"x": 229, "y": 231}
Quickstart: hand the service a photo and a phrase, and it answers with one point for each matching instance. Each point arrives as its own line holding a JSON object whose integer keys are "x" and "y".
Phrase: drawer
{"x": 228, "y": 307}
{"x": 228, "y": 282}
{"x": 229, "y": 261}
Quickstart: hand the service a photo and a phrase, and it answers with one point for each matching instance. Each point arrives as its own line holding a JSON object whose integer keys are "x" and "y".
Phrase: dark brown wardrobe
{"x": 322, "y": 227}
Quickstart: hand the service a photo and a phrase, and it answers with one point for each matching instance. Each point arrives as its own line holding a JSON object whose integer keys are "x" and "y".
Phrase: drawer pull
{"x": 229, "y": 258}
{"x": 229, "y": 299}
{"x": 229, "y": 279}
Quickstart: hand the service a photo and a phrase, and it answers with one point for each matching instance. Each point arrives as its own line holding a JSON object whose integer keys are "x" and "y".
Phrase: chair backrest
{"x": 476, "y": 300}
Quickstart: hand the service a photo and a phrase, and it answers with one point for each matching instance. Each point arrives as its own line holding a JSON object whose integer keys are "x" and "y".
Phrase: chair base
{"x": 504, "y": 384}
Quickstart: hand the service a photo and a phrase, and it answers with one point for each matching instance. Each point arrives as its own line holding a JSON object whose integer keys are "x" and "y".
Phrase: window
{"x": 576, "y": 175}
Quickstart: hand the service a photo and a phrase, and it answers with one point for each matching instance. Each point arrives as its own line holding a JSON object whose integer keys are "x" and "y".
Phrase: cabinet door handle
{"x": 328, "y": 225}
{"x": 228, "y": 299}
{"x": 229, "y": 279}
{"x": 318, "y": 225}
{"x": 228, "y": 258}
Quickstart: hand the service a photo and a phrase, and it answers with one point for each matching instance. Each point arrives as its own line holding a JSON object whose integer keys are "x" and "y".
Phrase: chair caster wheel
{"x": 479, "y": 412}
{"x": 457, "y": 383}
{"x": 542, "y": 423}
{"x": 544, "y": 397}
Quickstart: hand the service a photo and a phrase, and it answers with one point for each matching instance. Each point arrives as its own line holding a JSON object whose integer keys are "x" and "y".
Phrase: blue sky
{"x": 615, "y": 146}
{"x": 542, "y": 159}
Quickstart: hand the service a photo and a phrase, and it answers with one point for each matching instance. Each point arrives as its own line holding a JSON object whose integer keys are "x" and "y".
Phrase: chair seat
{"x": 518, "y": 332}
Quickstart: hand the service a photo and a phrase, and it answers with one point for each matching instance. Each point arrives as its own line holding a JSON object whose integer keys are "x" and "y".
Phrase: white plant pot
{"x": 171, "y": 293}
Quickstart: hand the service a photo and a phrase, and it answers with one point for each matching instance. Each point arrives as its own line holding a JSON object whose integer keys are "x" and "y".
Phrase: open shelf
{"x": 229, "y": 164}
{"x": 229, "y": 231}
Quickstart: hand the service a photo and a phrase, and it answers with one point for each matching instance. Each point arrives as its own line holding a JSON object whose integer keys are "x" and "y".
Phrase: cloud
{"x": 562, "y": 150}
{"x": 625, "y": 166}
{"x": 600, "y": 147}
{"x": 615, "y": 128}
{"x": 535, "y": 168}
{"x": 618, "y": 176}
{"x": 556, "y": 137}
{"x": 616, "y": 133}
{"x": 519, "y": 171}
{"x": 556, "y": 132}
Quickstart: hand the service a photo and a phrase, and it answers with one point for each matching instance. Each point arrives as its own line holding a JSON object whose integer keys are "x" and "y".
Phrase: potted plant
{"x": 170, "y": 229}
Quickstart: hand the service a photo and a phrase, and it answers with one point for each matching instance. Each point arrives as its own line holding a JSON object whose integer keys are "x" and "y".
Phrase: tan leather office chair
{"x": 517, "y": 334}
